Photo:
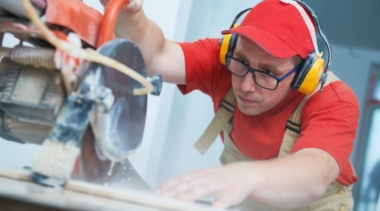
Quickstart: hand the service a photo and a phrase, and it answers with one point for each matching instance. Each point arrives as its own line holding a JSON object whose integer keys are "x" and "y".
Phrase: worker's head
{"x": 273, "y": 40}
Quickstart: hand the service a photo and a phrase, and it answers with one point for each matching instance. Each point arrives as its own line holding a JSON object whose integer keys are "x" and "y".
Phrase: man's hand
{"x": 134, "y": 6}
{"x": 229, "y": 184}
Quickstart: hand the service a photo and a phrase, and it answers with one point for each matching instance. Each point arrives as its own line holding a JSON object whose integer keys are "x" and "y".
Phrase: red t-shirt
{"x": 329, "y": 119}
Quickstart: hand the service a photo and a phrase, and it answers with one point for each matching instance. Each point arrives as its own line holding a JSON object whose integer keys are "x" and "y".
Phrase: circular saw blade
{"x": 119, "y": 131}
{"x": 115, "y": 175}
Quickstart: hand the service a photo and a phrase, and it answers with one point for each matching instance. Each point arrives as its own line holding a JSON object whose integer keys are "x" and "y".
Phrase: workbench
{"x": 17, "y": 192}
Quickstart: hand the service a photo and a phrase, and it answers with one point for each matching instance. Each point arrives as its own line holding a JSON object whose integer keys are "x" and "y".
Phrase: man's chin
{"x": 249, "y": 110}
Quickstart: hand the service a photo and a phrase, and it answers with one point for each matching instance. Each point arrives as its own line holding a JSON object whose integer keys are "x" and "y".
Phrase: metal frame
{"x": 371, "y": 104}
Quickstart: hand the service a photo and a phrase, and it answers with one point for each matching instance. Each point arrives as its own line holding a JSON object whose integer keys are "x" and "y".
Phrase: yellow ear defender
{"x": 309, "y": 74}
{"x": 224, "y": 48}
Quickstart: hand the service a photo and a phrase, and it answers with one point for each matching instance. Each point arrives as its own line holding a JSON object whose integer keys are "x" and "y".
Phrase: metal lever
{"x": 157, "y": 84}
{"x": 323, "y": 80}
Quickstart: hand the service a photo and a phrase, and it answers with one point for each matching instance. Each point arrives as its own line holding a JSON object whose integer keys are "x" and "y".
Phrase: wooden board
{"x": 16, "y": 191}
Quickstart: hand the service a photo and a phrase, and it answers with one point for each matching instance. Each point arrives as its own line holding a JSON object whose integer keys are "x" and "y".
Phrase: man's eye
{"x": 242, "y": 61}
{"x": 268, "y": 72}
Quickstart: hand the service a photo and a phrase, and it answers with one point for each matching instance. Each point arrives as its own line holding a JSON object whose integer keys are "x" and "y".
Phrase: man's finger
{"x": 225, "y": 201}
{"x": 190, "y": 187}
{"x": 174, "y": 187}
{"x": 134, "y": 6}
{"x": 203, "y": 190}
{"x": 191, "y": 177}
{"x": 39, "y": 3}
{"x": 104, "y": 2}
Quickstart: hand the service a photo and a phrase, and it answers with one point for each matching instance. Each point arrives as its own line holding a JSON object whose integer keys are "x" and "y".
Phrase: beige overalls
{"x": 337, "y": 196}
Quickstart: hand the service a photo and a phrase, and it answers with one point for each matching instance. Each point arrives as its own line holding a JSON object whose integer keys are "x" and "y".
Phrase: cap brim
{"x": 269, "y": 42}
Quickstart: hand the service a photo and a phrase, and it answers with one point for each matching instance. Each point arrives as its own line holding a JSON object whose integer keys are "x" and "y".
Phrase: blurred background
{"x": 175, "y": 122}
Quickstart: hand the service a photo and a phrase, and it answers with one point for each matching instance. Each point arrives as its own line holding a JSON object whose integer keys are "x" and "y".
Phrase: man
{"x": 266, "y": 168}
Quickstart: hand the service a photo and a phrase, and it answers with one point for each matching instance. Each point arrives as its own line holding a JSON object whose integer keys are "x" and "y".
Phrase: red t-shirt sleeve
{"x": 202, "y": 63}
{"x": 329, "y": 121}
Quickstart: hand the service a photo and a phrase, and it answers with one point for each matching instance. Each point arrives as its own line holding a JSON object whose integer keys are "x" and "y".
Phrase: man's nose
{"x": 248, "y": 84}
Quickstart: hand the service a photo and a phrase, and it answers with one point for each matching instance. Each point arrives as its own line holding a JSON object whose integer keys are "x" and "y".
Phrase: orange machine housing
{"x": 75, "y": 16}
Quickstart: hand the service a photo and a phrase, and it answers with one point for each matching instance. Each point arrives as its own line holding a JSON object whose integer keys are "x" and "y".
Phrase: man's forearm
{"x": 146, "y": 34}
{"x": 294, "y": 180}
{"x": 286, "y": 182}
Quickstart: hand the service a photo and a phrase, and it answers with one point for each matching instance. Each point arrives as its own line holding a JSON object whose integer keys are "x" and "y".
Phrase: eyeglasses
{"x": 264, "y": 80}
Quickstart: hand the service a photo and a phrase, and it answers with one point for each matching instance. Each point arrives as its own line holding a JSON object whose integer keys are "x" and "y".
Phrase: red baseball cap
{"x": 277, "y": 27}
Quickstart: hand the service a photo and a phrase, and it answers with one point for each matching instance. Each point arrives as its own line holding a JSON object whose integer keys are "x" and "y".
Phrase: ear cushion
{"x": 224, "y": 48}
{"x": 228, "y": 43}
{"x": 303, "y": 70}
{"x": 231, "y": 45}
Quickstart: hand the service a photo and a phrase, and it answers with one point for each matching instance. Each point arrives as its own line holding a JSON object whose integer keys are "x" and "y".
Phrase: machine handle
{"x": 156, "y": 81}
{"x": 107, "y": 27}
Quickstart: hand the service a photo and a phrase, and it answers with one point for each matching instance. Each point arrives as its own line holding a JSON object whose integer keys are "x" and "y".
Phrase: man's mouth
{"x": 246, "y": 101}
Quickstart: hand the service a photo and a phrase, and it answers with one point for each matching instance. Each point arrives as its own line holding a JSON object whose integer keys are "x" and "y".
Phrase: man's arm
{"x": 294, "y": 180}
{"x": 161, "y": 55}
{"x": 284, "y": 182}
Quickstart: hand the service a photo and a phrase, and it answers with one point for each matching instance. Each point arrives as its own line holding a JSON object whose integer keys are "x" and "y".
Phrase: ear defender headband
{"x": 228, "y": 41}
{"x": 311, "y": 71}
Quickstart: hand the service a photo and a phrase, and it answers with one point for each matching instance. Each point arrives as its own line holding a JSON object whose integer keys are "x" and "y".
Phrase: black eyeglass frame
{"x": 251, "y": 70}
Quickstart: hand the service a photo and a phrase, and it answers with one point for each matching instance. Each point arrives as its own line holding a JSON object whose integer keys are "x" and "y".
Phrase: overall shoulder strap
{"x": 293, "y": 124}
{"x": 221, "y": 118}
{"x": 296, "y": 115}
